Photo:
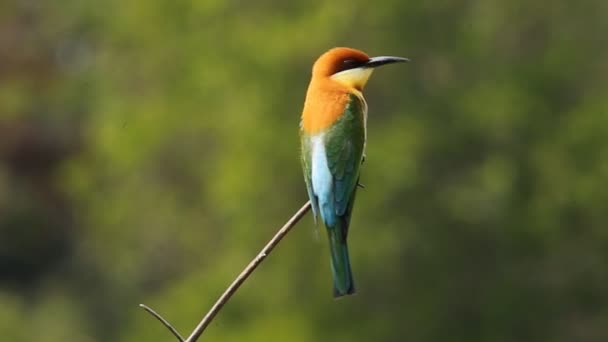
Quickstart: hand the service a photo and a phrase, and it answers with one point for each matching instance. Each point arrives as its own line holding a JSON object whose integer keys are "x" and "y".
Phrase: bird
{"x": 333, "y": 136}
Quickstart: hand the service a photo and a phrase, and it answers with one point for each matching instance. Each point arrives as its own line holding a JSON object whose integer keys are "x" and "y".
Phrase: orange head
{"x": 349, "y": 67}
{"x": 336, "y": 74}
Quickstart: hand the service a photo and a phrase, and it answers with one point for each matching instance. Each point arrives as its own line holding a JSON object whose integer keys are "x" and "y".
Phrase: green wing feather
{"x": 344, "y": 145}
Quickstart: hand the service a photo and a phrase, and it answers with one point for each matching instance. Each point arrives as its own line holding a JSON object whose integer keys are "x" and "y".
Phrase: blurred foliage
{"x": 149, "y": 149}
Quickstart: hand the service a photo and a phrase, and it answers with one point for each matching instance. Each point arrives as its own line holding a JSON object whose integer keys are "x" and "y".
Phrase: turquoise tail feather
{"x": 340, "y": 263}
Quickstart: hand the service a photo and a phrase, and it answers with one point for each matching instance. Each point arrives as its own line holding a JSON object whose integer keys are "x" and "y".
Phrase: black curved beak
{"x": 382, "y": 60}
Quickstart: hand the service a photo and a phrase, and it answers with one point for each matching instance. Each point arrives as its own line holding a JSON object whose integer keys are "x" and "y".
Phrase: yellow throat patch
{"x": 353, "y": 78}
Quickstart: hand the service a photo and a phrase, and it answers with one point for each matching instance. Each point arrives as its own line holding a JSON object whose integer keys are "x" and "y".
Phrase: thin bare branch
{"x": 163, "y": 321}
{"x": 219, "y": 304}
{"x": 231, "y": 290}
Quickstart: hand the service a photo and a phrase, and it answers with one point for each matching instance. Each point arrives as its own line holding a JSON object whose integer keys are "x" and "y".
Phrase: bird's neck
{"x": 325, "y": 103}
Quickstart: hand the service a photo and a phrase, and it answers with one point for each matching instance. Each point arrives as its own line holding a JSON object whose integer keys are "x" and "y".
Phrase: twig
{"x": 163, "y": 321}
{"x": 246, "y": 272}
{"x": 219, "y": 304}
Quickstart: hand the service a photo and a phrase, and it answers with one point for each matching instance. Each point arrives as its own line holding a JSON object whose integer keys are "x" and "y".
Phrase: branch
{"x": 246, "y": 272}
{"x": 163, "y": 321}
{"x": 240, "y": 279}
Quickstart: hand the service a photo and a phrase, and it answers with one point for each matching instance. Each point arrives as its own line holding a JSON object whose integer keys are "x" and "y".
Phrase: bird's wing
{"x": 344, "y": 144}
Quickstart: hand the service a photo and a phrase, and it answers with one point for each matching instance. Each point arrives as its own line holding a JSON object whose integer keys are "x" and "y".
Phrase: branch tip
{"x": 163, "y": 321}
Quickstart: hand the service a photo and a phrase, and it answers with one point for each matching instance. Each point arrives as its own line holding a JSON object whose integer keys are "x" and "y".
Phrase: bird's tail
{"x": 340, "y": 264}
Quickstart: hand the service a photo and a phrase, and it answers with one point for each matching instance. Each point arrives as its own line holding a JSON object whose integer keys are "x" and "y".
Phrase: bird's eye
{"x": 349, "y": 63}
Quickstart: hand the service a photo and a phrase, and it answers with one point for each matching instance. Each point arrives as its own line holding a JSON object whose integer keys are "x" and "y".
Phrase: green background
{"x": 148, "y": 150}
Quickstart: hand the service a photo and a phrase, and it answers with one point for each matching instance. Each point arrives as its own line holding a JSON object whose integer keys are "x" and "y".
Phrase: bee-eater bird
{"x": 333, "y": 136}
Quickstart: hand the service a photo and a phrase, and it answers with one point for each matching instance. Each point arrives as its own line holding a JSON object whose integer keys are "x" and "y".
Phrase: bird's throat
{"x": 353, "y": 78}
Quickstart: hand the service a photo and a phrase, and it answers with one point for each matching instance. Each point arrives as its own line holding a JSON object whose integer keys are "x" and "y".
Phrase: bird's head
{"x": 350, "y": 67}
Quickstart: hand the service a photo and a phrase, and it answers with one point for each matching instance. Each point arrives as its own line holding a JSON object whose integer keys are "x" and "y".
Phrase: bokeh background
{"x": 149, "y": 149}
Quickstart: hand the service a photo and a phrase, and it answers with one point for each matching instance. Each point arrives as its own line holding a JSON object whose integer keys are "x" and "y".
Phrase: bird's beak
{"x": 382, "y": 60}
